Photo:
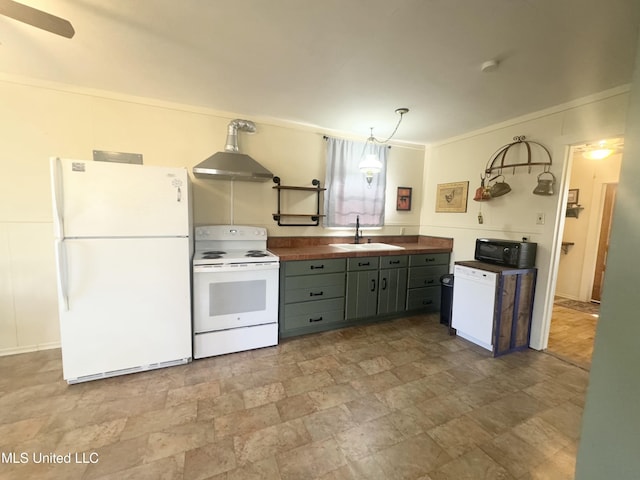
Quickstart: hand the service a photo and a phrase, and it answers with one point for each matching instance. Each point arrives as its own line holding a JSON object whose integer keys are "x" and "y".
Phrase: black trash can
{"x": 446, "y": 298}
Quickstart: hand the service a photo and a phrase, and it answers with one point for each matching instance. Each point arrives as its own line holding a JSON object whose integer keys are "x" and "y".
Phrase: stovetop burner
{"x": 231, "y": 245}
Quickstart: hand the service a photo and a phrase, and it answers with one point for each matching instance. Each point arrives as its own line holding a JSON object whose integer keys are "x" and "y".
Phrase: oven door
{"x": 226, "y": 297}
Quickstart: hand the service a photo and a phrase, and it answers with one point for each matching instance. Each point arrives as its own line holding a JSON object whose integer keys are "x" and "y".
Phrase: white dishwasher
{"x": 474, "y": 295}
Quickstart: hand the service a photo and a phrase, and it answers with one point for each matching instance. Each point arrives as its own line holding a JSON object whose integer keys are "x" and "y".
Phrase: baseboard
{"x": 28, "y": 348}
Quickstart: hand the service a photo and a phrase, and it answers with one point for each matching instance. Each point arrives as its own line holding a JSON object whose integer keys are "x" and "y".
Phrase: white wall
{"x": 41, "y": 119}
{"x": 513, "y": 216}
{"x": 576, "y": 268}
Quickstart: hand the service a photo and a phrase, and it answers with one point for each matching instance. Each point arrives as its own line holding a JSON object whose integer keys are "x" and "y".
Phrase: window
{"x": 348, "y": 194}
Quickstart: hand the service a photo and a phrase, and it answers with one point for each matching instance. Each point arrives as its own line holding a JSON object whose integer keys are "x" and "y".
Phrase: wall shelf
{"x": 315, "y": 217}
{"x": 574, "y": 211}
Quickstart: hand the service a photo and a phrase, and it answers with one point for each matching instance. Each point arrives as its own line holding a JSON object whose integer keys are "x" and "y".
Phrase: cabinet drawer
{"x": 429, "y": 259}
{"x": 426, "y": 276}
{"x": 314, "y": 287}
{"x": 362, "y": 263}
{"x": 314, "y": 267}
{"x": 428, "y": 297}
{"x": 308, "y": 314}
{"x": 395, "y": 261}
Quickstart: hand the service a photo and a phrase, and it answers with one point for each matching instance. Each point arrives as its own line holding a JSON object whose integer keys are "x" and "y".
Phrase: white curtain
{"x": 348, "y": 193}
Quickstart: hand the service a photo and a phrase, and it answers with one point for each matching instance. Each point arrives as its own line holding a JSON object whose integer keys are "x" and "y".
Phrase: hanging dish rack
{"x": 501, "y": 154}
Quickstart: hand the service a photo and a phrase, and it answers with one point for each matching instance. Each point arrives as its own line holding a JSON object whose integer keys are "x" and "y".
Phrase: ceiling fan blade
{"x": 37, "y": 18}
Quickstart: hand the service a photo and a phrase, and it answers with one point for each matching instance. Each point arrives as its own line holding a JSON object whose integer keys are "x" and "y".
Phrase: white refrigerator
{"x": 123, "y": 247}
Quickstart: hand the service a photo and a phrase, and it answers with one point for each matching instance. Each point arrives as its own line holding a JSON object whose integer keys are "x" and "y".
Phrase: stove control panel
{"x": 230, "y": 232}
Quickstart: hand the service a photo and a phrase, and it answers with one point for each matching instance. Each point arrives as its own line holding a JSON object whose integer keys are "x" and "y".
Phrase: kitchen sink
{"x": 365, "y": 247}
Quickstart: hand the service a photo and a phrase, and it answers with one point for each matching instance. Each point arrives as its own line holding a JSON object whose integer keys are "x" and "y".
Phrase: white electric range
{"x": 235, "y": 290}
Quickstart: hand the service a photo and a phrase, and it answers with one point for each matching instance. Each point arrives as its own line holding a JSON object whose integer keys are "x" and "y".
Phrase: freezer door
{"x": 129, "y": 304}
{"x": 103, "y": 199}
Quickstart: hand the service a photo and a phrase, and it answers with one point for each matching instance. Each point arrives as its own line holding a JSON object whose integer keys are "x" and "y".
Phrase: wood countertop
{"x": 311, "y": 248}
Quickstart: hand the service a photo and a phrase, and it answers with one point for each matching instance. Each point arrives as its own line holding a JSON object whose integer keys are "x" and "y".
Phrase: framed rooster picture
{"x": 452, "y": 197}
{"x": 404, "y": 198}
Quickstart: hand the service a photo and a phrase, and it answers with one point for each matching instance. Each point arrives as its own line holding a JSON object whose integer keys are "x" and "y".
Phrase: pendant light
{"x": 371, "y": 164}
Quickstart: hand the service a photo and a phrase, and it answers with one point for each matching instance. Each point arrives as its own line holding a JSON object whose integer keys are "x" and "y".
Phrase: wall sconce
{"x": 371, "y": 164}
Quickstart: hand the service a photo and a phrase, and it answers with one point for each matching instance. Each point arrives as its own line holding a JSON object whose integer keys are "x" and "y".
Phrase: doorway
{"x": 582, "y": 264}
{"x": 603, "y": 241}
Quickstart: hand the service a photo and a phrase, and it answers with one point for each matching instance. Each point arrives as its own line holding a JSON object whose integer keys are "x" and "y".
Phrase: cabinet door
{"x": 362, "y": 294}
{"x": 392, "y": 290}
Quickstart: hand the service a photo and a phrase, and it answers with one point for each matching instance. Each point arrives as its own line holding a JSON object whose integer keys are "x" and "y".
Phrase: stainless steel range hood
{"x": 231, "y": 164}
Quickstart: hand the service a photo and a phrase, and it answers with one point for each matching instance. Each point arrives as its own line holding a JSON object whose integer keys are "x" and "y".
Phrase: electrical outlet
{"x": 540, "y": 218}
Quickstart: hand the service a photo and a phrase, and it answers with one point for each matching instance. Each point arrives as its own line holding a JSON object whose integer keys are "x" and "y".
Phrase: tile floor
{"x": 394, "y": 400}
{"x": 572, "y": 335}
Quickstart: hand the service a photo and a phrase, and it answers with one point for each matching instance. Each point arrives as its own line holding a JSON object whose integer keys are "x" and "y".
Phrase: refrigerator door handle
{"x": 63, "y": 274}
{"x": 57, "y": 189}
{"x": 179, "y": 194}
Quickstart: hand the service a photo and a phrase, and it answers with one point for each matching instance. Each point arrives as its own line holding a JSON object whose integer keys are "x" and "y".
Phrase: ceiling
{"x": 338, "y": 65}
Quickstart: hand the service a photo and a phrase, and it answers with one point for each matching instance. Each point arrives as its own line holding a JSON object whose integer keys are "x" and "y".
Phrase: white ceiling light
{"x": 371, "y": 164}
{"x": 597, "y": 154}
{"x": 602, "y": 149}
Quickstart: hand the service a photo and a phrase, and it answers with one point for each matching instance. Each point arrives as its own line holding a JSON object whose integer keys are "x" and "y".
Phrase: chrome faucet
{"x": 358, "y": 234}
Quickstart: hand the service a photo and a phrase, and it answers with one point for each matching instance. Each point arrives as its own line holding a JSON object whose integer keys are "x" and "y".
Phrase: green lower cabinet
{"x": 362, "y": 287}
{"x": 308, "y": 288}
{"x": 362, "y": 294}
{"x": 423, "y": 289}
{"x": 311, "y": 296}
{"x": 318, "y": 295}
{"x": 312, "y": 315}
{"x": 376, "y": 286}
{"x": 424, "y": 298}
{"x": 392, "y": 291}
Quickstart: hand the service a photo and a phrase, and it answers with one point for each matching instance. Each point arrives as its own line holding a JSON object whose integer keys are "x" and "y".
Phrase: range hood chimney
{"x": 231, "y": 164}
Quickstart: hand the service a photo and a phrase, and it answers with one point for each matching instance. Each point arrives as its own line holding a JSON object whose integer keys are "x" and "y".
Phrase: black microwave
{"x": 509, "y": 253}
